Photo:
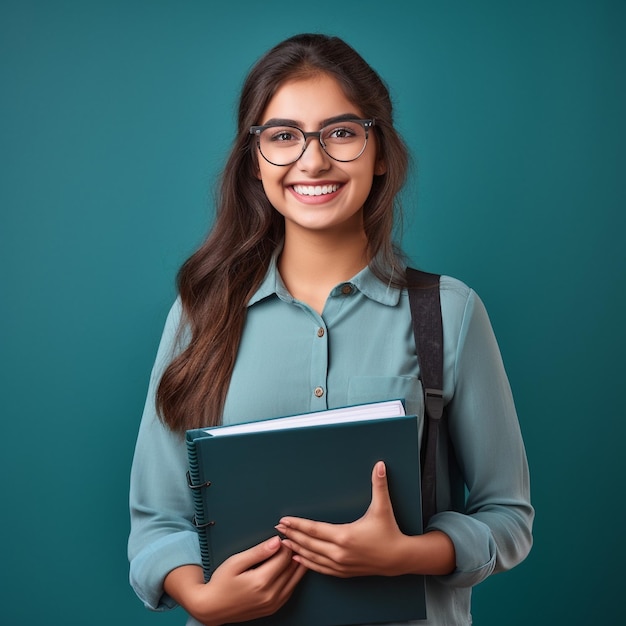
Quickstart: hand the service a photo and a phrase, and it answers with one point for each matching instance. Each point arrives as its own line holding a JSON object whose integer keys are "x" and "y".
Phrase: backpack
{"x": 425, "y": 303}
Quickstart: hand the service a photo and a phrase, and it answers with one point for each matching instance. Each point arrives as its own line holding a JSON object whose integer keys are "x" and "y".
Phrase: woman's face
{"x": 342, "y": 188}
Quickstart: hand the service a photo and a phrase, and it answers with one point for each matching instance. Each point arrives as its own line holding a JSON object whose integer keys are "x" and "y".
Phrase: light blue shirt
{"x": 361, "y": 349}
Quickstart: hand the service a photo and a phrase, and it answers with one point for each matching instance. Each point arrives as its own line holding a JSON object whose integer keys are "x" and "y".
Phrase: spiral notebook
{"x": 245, "y": 477}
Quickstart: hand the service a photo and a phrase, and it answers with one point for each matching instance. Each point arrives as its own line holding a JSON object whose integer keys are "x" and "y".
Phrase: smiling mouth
{"x": 315, "y": 190}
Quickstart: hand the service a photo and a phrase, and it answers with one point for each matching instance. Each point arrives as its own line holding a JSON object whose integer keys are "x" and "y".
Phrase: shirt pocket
{"x": 363, "y": 389}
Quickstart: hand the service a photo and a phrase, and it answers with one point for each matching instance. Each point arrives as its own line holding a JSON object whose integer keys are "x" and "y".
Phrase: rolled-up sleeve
{"x": 162, "y": 535}
{"x": 494, "y": 533}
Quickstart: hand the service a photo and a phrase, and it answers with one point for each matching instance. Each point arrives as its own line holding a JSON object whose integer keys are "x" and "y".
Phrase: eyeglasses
{"x": 343, "y": 141}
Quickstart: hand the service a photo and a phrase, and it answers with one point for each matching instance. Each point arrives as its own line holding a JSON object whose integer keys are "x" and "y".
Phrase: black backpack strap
{"x": 424, "y": 299}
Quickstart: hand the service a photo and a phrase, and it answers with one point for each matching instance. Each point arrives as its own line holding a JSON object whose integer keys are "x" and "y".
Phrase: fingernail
{"x": 273, "y": 543}
{"x": 380, "y": 469}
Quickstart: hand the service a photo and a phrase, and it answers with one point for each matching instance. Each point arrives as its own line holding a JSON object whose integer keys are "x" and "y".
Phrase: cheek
{"x": 273, "y": 191}
{"x": 365, "y": 184}
{"x": 267, "y": 174}
{"x": 273, "y": 179}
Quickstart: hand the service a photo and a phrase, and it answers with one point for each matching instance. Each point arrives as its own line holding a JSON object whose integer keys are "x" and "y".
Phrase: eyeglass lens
{"x": 344, "y": 141}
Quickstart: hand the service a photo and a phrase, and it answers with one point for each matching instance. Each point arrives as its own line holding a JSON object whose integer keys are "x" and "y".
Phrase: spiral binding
{"x": 196, "y": 486}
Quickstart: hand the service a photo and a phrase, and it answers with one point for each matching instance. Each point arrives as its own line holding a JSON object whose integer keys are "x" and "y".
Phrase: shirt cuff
{"x": 150, "y": 567}
{"x": 474, "y": 546}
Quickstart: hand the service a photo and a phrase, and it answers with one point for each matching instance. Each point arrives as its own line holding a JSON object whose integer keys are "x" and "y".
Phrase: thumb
{"x": 381, "y": 502}
{"x": 255, "y": 555}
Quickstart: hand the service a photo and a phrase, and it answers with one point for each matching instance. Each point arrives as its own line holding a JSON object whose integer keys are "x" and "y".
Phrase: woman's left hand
{"x": 371, "y": 545}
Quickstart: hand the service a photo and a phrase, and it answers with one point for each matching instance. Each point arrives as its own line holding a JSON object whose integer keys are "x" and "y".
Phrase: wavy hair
{"x": 217, "y": 281}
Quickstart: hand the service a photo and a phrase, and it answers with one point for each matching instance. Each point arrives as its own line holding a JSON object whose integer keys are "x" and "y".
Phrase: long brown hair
{"x": 217, "y": 281}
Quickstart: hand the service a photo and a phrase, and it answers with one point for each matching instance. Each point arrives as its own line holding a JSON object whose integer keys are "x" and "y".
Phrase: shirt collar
{"x": 365, "y": 282}
{"x": 272, "y": 283}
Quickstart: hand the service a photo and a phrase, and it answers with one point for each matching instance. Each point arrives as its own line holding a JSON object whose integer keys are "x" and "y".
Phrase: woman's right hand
{"x": 253, "y": 583}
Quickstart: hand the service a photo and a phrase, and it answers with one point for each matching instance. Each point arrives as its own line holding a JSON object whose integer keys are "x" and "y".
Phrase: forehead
{"x": 309, "y": 101}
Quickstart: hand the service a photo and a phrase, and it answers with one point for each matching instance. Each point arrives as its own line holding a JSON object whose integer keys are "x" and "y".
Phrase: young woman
{"x": 295, "y": 303}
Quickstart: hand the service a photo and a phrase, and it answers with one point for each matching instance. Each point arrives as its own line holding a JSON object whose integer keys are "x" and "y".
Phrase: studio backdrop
{"x": 115, "y": 119}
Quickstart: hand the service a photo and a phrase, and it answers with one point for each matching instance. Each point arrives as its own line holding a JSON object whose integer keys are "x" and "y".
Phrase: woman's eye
{"x": 284, "y": 135}
{"x": 341, "y": 133}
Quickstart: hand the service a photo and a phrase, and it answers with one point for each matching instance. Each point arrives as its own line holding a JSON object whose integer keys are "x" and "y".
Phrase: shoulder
{"x": 455, "y": 297}
{"x": 459, "y": 305}
{"x": 459, "y": 301}
{"x": 455, "y": 294}
{"x": 466, "y": 322}
{"x": 174, "y": 315}
{"x": 463, "y": 313}
{"x": 454, "y": 289}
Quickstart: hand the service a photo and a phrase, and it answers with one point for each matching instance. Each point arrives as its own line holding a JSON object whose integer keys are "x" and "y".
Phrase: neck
{"x": 311, "y": 264}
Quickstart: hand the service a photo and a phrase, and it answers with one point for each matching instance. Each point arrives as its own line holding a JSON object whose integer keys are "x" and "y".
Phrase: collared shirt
{"x": 360, "y": 349}
{"x": 292, "y": 360}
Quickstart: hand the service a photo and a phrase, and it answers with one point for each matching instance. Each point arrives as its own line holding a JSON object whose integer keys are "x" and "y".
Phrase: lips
{"x": 315, "y": 190}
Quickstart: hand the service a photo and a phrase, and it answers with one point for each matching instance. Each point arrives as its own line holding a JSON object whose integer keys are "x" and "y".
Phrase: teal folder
{"x": 244, "y": 483}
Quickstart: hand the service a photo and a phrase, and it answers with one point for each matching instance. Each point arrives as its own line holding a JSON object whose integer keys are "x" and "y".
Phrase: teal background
{"x": 115, "y": 117}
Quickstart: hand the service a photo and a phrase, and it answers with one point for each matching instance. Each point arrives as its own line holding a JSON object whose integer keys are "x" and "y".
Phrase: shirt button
{"x": 346, "y": 290}
{"x": 319, "y": 392}
{"x": 320, "y": 332}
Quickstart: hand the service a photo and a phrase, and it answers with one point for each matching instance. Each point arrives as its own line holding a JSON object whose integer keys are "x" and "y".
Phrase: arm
{"x": 162, "y": 536}
{"x": 494, "y": 531}
{"x": 163, "y": 547}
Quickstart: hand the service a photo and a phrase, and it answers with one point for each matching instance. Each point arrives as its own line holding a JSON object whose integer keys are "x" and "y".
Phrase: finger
{"x": 286, "y": 584}
{"x": 247, "y": 559}
{"x": 283, "y": 581}
{"x": 291, "y": 576}
{"x": 311, "y": 528}
{"x": 275, "y": 566}
{"x": 328, "y": 568}
{"x": 329, "y": 558}
{"x": 338, "y": 554}
{"x": 300, "y": 540}
{"x": 381, "y": 501}
{"x": 313, "y": 549}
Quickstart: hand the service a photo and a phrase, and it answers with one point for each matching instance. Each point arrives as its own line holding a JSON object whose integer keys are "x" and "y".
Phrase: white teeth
{"x": 315, "y": 190}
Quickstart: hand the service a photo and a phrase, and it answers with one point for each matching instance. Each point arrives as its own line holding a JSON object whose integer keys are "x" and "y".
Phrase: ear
{"x": 380, "y": 168}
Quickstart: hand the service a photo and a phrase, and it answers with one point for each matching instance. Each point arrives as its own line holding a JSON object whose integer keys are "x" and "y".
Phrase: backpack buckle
{"x": 434, "y": 403}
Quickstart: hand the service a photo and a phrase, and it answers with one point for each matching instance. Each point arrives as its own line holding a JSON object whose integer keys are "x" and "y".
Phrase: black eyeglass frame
{"x": 257, "y": 130}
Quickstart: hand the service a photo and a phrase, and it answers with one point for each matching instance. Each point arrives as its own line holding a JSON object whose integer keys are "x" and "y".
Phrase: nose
{"x": 314, "y": 158}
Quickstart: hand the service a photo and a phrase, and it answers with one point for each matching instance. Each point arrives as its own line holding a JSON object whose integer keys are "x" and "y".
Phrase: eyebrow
{"x": 275, "y": 121}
